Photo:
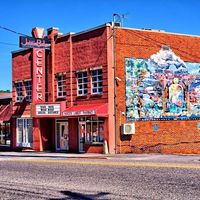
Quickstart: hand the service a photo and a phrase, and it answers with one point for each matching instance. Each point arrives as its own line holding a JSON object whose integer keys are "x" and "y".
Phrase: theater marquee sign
{"x": 48, "y": 109}
{"x": 38, "y": 93}
{"x": 30, "y": 42}
{"x": 38, "y": 45}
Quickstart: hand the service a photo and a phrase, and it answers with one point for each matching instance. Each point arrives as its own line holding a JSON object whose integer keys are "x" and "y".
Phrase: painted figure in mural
{"x": 176, "y": 92}
{"x": 176, "y": 96}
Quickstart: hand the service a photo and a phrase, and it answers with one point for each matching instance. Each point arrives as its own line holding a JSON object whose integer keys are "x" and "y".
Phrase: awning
{"x": 5, "y": 112}
{"x": 99, "y": 110}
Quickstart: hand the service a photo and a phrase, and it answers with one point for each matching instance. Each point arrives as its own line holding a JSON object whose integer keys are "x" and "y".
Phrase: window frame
{"x": 62, "y": 86}
{"x": 82, "y": 86}
{"x": 19, "y": 92}
{"x": 28, "y": 90}
{"x": 94, "y": 136}
{"x": 98, "y": 82}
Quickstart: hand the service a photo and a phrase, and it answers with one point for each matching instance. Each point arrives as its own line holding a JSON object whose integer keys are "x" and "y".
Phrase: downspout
{"x": 53, "y": 65}
{"x": 52, "y": 32}
{"x": 71, "y": 70}
{"x": 114, "y": 68}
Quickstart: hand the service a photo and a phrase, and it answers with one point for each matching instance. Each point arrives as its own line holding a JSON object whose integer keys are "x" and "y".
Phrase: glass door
{"x": 82, "y": 132}
{"x": 62, "y": 136}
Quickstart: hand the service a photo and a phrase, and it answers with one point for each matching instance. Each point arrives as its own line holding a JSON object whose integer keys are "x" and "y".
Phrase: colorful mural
{"x": 163, "y": 87}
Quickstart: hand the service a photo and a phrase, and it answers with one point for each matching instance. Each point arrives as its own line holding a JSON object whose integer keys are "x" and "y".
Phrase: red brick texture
{"x": 89, "y": 50}
{"x": 21, "y": 70}
{"x": 83, "y": 51}
{"x": 171, "y": 136}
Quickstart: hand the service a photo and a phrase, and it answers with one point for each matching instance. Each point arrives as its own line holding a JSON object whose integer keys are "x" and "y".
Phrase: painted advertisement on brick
{"x": 163, "y": 87}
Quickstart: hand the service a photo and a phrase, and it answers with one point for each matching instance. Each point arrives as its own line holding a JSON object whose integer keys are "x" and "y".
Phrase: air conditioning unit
{"x": 128, "y": 129}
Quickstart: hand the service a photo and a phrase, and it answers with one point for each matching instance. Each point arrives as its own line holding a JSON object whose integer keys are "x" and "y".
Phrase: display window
{"x": 94, "y": 129}
{"x": 24, "y": 132}
{"x": 5, "y": 134}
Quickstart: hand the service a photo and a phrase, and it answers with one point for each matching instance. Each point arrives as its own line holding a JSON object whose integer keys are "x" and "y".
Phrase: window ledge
{"x": 96, "y": 95}
{"x": 61, "y": 98}
{"x": 82, "y": 97}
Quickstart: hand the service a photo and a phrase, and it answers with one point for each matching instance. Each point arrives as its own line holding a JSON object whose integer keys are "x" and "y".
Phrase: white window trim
{"x": 95, "y": 68}
{"x": 63, "y": 86}
{"x": 30, "y": 90}
{"x": 19, "y": 98}
{"x": 77, "y": 83}
{"x": 96, "y": 93}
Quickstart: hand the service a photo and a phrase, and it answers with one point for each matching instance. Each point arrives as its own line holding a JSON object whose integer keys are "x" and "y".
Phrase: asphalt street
{"x": 57, "y": 176}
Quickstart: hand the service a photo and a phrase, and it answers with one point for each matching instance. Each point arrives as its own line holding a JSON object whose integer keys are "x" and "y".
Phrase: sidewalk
{"x": 35, "y": 154}
{"x": 119, "y": 157}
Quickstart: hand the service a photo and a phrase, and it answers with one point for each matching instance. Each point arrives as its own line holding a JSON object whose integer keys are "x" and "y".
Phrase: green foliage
{"x": 4, "y": 90}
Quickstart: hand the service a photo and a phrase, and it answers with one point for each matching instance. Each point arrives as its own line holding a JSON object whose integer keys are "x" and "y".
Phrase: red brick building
{"x": 131, "y": 90}
{"x": 147, "y": 63}
{"x": 5, "y": 119}
{"x": 77, "y": 70}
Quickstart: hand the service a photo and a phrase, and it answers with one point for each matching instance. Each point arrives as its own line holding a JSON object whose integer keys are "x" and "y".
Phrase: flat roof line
{"x": 158, "y": 31}
{"x": 92, "y": 29}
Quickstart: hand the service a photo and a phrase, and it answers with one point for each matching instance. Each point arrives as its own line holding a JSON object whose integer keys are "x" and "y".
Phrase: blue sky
{"x": 181, "y": 16}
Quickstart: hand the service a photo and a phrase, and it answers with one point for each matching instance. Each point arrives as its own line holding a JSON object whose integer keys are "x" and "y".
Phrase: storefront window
{"x": 58, "y": 135}
{"x": 88, "y": 132}
{"x": 5, "y": 134}
{"x": 24, "y": 132}
{"x": 101, "y": 131}
{"x": 94, "y": 132}
{"x": 94, "y": 129}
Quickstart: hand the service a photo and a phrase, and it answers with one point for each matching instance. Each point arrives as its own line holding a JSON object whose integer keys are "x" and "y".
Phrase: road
{"x": 119, "y": 177}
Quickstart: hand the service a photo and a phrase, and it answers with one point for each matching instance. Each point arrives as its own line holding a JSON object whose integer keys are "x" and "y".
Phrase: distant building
{"x": 5, "y": 119}
{"x": 131, "y": 90}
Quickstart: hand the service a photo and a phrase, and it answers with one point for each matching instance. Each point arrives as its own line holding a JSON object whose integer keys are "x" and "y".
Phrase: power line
{"x": 12, "y": 31}
{"x": 160, "y": 43}
{"x": 10, "y": 44}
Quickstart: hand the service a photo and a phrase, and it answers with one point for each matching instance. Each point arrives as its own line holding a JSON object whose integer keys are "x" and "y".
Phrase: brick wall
{"x": 21, "y": 65}
{"x": 89, "y": 50}
{"x": 21, "y": 70}
{"x": 171, "y": 136}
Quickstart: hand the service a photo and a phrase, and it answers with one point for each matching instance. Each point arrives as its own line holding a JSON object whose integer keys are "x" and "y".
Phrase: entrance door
{"x": 62, "y": 136}
{"x": 82, "y": 131}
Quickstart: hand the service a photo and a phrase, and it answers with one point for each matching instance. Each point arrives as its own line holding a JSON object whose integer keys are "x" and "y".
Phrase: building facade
{"x": 5, "y": 119}
{"x": 111, "y": 89}
{"x": 158, "y": 92}
{"x": 64, "y": 106}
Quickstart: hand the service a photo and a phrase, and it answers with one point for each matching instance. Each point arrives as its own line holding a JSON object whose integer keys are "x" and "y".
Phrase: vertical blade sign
{"x": 38, "y": 91}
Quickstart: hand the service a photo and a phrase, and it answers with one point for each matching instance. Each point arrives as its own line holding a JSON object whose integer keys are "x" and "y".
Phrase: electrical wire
{"x": 160, "y": 43}
{"x": 12, "y": 31}
{"x": 10, "y": 44}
